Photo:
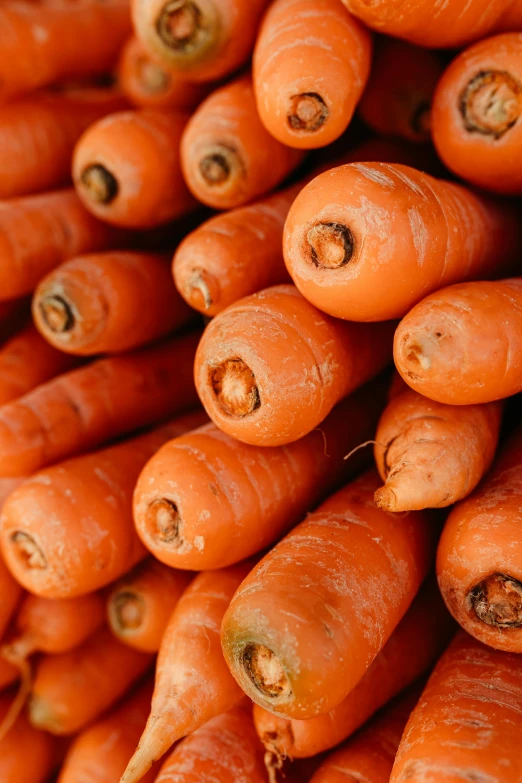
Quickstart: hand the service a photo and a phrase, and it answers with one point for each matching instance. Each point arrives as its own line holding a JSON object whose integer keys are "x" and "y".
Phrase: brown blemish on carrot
{"x": 219, "y": 165}
{"x": 28, "y": 550}
{"x": 202, "y": 289}
{"x": 163, "y": 521}
{"x": 57, "y": 313}
{"x": 490, "y": 103}
{"x": 331, "y": 245}
{"x": 307, "y": 112}
{"x": 153, "y": 78}
{"x": 99, "y": 184}
{"x": 181, "y": 27}
{"x": 266, "y": 672}
{"x": 497, "y": 601}
{"x": 235, "y": 388}
{"x": 127, "y": 610}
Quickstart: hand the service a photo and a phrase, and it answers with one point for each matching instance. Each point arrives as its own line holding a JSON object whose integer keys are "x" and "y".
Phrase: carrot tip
{"x": 331, "y": 245}
{"x": 307, "y": 112}
{"x": 386, "y": 499}
{"x": 57, "y": 313}
{"x": 202, "y": 290}
{"x": 497, "y": 601}
{"x": 490, "y": 103}
{"x": 27, "y": 550}
{"x": 99, "y": 184}
{"x": 126, "y": 611}
{"x": 180, "y": 25}
{"x": 266, "y": 672}
{"x": 163, "y": 521}
{"x": 234, "y": 385}
{"x": 219, "y": 165}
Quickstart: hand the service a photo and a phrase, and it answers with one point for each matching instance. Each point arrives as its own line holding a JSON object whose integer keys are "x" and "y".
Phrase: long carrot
{"x": 126, "y": 168}
{"x": 201, "y": 39}
{"x": 193, "y": 683}
{"x": 227, "y": 155}
{"x": 26, "y": 754}
{"x": 429, "y": 454}
{"x": 141, "y": 603}
{"x": 476, "y": 114}
{"x": 463, "y": 345}
{"x": 108, "y": 302}
{"x": 68, "y": 530}
{"x": 364, "y": 227}
{"x": 271, "y": 367}
{"x": 86, "y": 407}
{"x": 466, "y": 724}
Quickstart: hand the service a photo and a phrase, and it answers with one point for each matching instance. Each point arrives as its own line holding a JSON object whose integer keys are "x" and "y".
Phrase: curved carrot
{"x": 108, "y": 302}
{"x": 141, "y": 603}
{"x": 84, "y": 408}
{"x": 364, "y": 227}
{"x": 271, "y": 367}
{"x": 466, "y": 724}
{"x": 311, "y": 64}
{"x": 205, "y": 500}
{"x": 26, "y": 754}
{"x": 201, "y": 39}
{"x": 227, "y": 155}
{"x": 126, "y": 168}
{"x": 68, "y": 530}
{"x": 431, "y": 455}
{"x": 293, "y": 636}
{"x": 193, "y": 683}
{"x": 476, "y": 114}
{"x": 463, "y": 345}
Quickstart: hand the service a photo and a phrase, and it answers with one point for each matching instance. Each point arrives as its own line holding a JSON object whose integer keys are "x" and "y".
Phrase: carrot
{"x": 476, "y": 112}
{"x": 126, "y": 168}
{"x": 293, "y": 635}
{"x": 205, "y": 500}
{"x": 271, "y": 367}
{"x": 227, "y": 155}
{"x": 8, "y": 674}
{"x": 39, "y": 232}
{"x": 193, "y": 684}
{"x": 53, "y": 41}
{"x": 411, "y": 650}
{"x": 84, "y": 408}
{"x": 397, "y": 99}
{"x": 68, "y": 530}
{"x": 38, "y": 134}
{"x": 466, "y": 725}
{"x": 10, "y": 594}
{"x": 462, "y": 345}
{"x": 26, "y": 755}
{"x": 89, "y": 304}
{"x": 201, "y": 39}
{"x": 431, "y": 455}
{"x": 141, "y": 603}
{"x": 364, "y": 227}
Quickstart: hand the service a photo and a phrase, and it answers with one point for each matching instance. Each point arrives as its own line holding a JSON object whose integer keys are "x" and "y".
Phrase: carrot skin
{"x": 10, "y": 594}
{"x": 17, "y": 764}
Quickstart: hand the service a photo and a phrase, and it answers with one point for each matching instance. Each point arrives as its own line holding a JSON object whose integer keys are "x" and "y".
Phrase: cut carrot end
{"x": 331, "y": 245}
{"x": 202, "y": 290}
{"x": 219, "y": 165}
{"x": 99, "y": 184}
{"x": 307, "y": 112}
{"x": 491, "y": 103}
{"x": 497, "y": 601}
{"x": 126, "y": 611}
{"x": 181, "y": 27}
{"x": 154, "y": 80}
{"x": 266, "y": 672}
{"x": 235, "y": 388}
{"x": 163, "y": 521}
{"x": 27, "y": 550}
{"x": 56, "y": 313}
{"x": 386, "y": 499}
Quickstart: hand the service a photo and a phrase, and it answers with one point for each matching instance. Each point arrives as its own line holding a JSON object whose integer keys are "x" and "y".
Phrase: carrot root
{"x": 497, "y": 601}
{"x": 17, "y": 655}
{"x": 491, "y": 103}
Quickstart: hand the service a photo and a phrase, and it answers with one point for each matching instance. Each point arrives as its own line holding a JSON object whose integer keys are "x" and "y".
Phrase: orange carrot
{"x": 89, "y": 406}
{"x": 193, "y": 683}
{"x": 378, "y": 226}
{"x": 271, "y": 367}
{"x": 91, "y": 303}
{"x": 68, "y": 530}
{"x": 126, "y": 168}
{"x": 141, "y": 603}
{"x": 10, "y": 594}
{"x": 26, "y": 755}
{"x": 227, "y": 155}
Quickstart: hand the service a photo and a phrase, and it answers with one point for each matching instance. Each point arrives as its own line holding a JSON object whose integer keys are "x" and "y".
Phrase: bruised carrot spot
{"x": 28, "y": 550}
{"x": 331, "y": 245}
{"x": 266, "y": 672}
{"x": 163, "y": 521}
{"x": 234, "y": 385}
{"x": 307, "y": 112}
{"x": 497, "y": 601}
{"x": 57, "y": 313}
{"x": 491, "y": 103}
{"x": 99, "y": 184}
{"x": 180, "y": 26}
{"x": 127, "y": 610}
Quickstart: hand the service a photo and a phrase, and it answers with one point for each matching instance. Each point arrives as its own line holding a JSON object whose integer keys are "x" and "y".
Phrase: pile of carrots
{"x": 260, "y": 391}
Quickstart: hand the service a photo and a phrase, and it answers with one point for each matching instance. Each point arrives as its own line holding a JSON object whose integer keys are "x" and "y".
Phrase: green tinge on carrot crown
{"x": 497, "y": 601}
{"x": 181, "y": 26}
{"x": 331, "y": 245}
{"x": 307, "y": 112}
{"x": 235, "y": 388}
{"x": 57, "y": 313}
{"x": 491, "y": 103}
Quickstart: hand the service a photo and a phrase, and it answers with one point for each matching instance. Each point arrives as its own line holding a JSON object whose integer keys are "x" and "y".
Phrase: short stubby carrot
{"x": 311, "y": 64}
{"x": 476, "y": 117}
{"x": 126, "y": 168}
{"x": 68, "y": 530}
{"x": 203, "y": 40}
{"x": 466, "y": 725}
{"x": 26, "y": 754}
{"x": 227, "y": 155}
{"x": 193, "y": 683}
{"x": 205, "y": 500}
{"x": 271, "y": 367}
{"x": 85, "y": 408}
{"x": 430, "y": 455}
{"x": 463, "y": 345}
{"x": 140, "y": 604}
{"x": 108, "y": 302}
{"x": 293, "y": 635}
{"x": 367, "y": 227}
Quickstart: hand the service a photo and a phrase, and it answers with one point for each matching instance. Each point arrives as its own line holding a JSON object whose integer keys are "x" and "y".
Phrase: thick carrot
{"x": 463, "y": 345}
{"x": 476, "y": 114}
{"x": 294, "y": 636}
{"x": 227, "y": 155}
{"x": 205, "y": 500}
{"x": 397, "y": 99}
{"x": 108, "y": 302}
{"x": 26, "y": 754}
{"x": 311, "y": 64}
{"x": 68, "y": 530}
{"x": 141, "y": 603}
{"x": 86, "y": 407}
{"x": 411, "y": 650}
{"x": 126, "y": 168}
{"x": 193, "y": 683}
{"x": 364, "y": 227}
{"x": 271, "y": 367}
{"x": 53, "y": 41}
{"x": 466, "y": 726}
{"x": 201, "y": 39}
{"x": 431, "y": 455}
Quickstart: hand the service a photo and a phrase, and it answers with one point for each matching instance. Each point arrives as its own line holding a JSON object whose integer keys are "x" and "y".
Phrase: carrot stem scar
{"x": 180, "y": 26}
{"x": 100, "y": 184}
{"x": 308, "y": 112}
{"x": 28, "y": 550}
{"x": 331, "y": 245}
{"x": 218, "y": 165}
{"x": 235, "y": 387}
{"x": 127, "y": 610}
{"x": 497, "y": 601}
{"x": 491, "y": 103}
{"x": 163, "y": 521}
{"x": 57, "y": 313}
{"x": 265, "y": 671}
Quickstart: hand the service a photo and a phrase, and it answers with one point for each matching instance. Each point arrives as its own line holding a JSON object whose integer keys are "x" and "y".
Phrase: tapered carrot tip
{"x": 127, "y": 611}
{"x": 181, "y": 26}
{"x": 219, "y": 165}
{"x": 153, "y": 744}
{"x": 331, "y": 245}
{"x": 266, "y": 672}
{"x": 57, "y": 313}
{"x": 497, "y": 601}
{"x": 234, "y": 385}
{"x": 163, "y": 521}
{"x": 491, "y": 103}
{"x": 308, "y": 112}
{"x": 201, "y": 290}
{"x": 27, "y": 550}
{"x": 99, "y": 184}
